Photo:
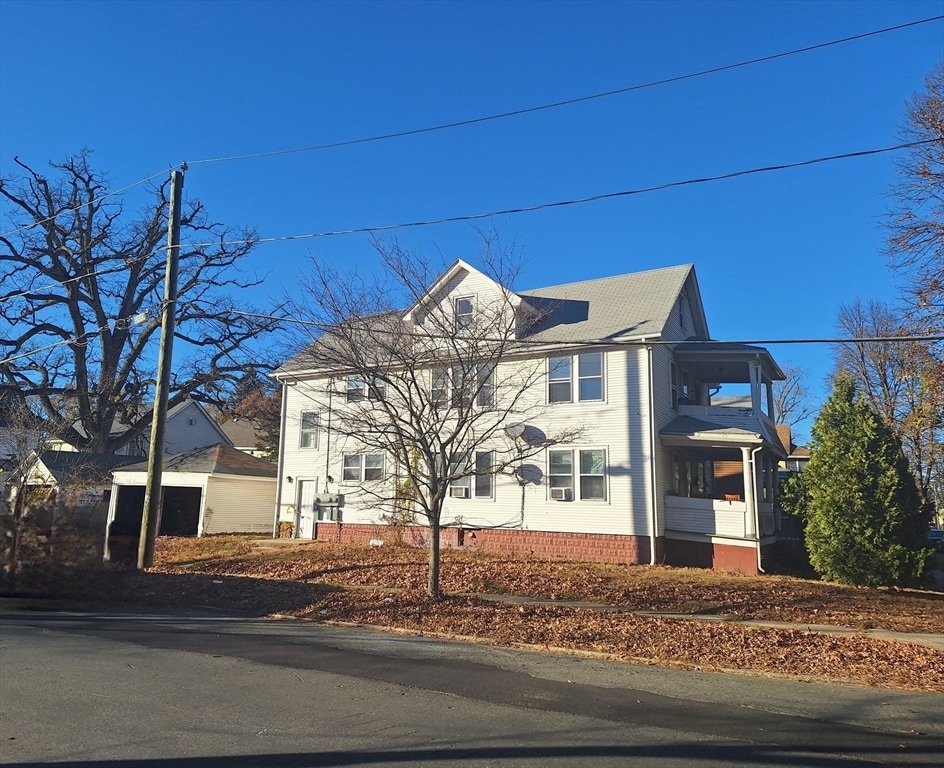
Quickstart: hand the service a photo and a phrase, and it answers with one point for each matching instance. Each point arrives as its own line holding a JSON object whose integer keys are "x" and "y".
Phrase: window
{"x": 358, "y": 389}
{"x": 485, "y": 386}
{"x": 673, "y": 384}
{"x": 588, "y": 483}
{"x": 465, "y": 388}
{"x": 589, "y": 378}
{"x": 484, "y": 477}
{"x": 309, "y": 430}
{"x": 363, "y": 467}
{"x": 478, "y": 485}
{"x": 439, "y": 386}
{"x": 559, "y": 380}
{"x": 464, "y": 312}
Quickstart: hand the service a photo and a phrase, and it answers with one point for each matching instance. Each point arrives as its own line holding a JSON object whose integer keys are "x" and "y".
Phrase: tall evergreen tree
{"x": 864, "y": 524}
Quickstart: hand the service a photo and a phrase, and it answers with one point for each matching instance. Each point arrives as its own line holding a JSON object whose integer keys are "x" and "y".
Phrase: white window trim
{"x": 312, "y": 431}
{"x": 376, "y": 389}
{"x": 362, "y": 468}
{"x": 575, "y": 378}
{"x": 464, "y": 319}
{"x": 576, "y": 474}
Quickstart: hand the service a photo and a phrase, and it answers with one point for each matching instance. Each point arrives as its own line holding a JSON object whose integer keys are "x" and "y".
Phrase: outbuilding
{"x": 217, "y": 489}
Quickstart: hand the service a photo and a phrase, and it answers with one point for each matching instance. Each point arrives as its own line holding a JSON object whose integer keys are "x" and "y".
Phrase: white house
{"x": 658, "y": 474}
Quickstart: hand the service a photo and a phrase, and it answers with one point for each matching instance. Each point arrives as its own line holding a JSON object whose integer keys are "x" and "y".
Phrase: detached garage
{"x": 217, "y": 489}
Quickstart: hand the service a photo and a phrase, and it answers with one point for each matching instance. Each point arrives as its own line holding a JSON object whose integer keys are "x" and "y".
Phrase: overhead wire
{"x": 503, "y": 115}
{"x": 523, "y": 209}
{"x": 632, "y": 342}
{"x": 575, "y": 201}
{"x": 110, "y": 193}
{"x": 567, "y": 102}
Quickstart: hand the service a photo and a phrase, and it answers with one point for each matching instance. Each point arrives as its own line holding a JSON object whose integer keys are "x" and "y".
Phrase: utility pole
{"x": 151, "y": 515}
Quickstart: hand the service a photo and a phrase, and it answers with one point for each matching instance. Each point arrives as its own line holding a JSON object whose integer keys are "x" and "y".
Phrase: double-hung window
{"x": 359, "y": 389}
{"x": 465, "y": 309}
{"x": 480, "y": 483}
{"x": 581, "y": 374}
{"x": 577, "y": 474}
{"x": 363, "y": 467}
{"x": 464, "y": 388}
{"x": 439, "y": 386}
{"x": 308, "y": 430}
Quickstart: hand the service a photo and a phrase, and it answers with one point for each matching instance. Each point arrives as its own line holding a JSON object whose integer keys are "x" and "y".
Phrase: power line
{"x": 576, "y": 201}
{"x": 77, "y": 278}
{"x": 511, "y": 211}
{"x": 104, "y": 196}
{"x": 501, "y": 115}
{"x": 567, "y": 102}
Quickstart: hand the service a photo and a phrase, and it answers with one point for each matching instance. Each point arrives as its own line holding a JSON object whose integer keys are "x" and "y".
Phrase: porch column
{"x": 749, "y": 531}
{"x": 755, "y": 375}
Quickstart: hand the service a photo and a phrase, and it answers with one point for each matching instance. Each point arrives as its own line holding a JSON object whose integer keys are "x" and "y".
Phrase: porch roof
{"x": 683, "y": 430}
{"x": 725, "y": 362}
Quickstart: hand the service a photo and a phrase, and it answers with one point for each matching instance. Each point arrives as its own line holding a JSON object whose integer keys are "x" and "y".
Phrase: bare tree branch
{"x": 79, "y": 275}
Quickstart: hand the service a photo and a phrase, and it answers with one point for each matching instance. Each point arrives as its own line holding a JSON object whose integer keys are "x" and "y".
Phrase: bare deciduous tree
{"x": 81, "y": 297}
{"x": 901, "y": 381}
{"x": 431, "y": 385}
{"x": 916, "y": 223}
{"x": 792, "y": 401}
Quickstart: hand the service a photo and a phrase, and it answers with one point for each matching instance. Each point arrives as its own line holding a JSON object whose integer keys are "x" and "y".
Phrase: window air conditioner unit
{"x": 561, "y": 494}
{"x": 459, "y": 492}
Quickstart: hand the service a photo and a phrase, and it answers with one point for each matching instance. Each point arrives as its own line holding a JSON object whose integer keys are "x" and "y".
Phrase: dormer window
{"x": 464, "y": 309}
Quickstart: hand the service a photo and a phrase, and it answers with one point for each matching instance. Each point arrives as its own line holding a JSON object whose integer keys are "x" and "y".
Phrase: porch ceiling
{"x": 725, "y": 362}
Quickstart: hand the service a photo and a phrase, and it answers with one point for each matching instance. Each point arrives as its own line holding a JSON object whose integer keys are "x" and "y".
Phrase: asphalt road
{"x": 213, "y": 691}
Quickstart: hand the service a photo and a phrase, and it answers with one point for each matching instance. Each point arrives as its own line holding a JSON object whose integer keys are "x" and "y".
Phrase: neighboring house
{"x": 188, "y": 426}
{"x": 78, "y": 483}
{"x": 661, "y": 474}
{"x": 215, "y": 489}
{"x": 243, "y": 435}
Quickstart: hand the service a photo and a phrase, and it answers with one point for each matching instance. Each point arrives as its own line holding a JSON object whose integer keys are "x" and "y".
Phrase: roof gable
{"x": 611, "y": 308}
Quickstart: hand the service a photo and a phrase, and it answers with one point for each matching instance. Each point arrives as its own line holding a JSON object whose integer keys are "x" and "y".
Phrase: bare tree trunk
{"x": 432, "y": 586}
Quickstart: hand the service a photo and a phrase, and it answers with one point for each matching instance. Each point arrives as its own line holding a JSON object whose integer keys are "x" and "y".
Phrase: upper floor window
{"x": 477, "y": 385}
{"x": 359, "y": 389}
{"x": 308, "y": 432}
{"x": 363, "y": 467}
{"x": 577, "y": 474}
{"x": 582, "y": 372}
{"x": 465, "y": 309}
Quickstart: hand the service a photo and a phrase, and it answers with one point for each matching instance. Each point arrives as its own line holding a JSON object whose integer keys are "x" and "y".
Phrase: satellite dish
{"x": 514, "y": 430}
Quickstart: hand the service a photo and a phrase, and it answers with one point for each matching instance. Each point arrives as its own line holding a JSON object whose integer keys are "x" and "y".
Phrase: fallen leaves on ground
{"x": 385, "y": 586}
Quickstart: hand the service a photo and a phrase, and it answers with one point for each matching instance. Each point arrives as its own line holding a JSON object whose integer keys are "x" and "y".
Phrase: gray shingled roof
{"x": 219, "y": 459}
{"x": 633, "y": 305}
{"x": 73, "y": 466}
{"x": 637, "y": 304}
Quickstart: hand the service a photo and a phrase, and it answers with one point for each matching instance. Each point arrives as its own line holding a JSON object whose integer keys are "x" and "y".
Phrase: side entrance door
{"x": 307, "y": 490}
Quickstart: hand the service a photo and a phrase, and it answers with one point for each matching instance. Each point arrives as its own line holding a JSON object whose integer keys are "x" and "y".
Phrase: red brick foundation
{"x": 601, "y": 548}
{"x": 592, "y": 547}
{"x": 704, "y": 554}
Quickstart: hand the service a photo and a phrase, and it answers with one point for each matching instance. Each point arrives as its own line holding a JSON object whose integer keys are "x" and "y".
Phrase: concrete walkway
{"x": 930, "y": 640}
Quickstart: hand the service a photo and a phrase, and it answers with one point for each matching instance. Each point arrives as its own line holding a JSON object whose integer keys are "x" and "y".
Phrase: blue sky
{"x": 150, "y": 84}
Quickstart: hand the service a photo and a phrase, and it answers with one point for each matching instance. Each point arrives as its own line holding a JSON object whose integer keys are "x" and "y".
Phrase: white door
{"x": 307, "y": 490}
